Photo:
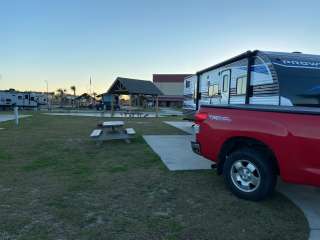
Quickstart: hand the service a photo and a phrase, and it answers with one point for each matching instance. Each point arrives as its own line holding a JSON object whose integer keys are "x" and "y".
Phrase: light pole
{"x": 47, "y": 84}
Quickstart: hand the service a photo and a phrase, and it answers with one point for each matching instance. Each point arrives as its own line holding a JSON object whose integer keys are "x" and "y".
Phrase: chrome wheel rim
{"x": 245, "y": 175}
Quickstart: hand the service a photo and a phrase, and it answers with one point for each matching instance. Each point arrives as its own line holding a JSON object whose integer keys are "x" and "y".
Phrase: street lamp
{"x": 47, "y": 84}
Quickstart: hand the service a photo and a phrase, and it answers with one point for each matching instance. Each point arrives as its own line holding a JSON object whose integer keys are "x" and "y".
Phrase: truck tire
{"x": 249, "y": 174}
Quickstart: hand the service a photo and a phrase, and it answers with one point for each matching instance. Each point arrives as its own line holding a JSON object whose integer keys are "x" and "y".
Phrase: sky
{"x": 64, "y": 42}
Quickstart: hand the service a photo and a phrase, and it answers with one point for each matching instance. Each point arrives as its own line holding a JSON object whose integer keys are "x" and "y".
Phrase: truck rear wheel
{"x": 249, "y": 174}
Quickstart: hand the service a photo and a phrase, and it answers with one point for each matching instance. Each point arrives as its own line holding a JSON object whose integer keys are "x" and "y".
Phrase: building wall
{"x": 170, "y": 88}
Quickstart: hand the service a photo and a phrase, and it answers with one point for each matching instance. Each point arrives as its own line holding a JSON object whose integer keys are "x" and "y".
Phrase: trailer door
{"x": 19, "y": 100}
{"x": 225, "y": 86}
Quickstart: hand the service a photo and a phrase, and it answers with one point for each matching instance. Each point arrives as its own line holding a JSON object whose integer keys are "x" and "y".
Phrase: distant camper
{"x": 10, "y": 98}
{"x": 259, "y": 77}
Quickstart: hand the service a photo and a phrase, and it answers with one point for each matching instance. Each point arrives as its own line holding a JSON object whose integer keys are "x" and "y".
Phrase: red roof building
{"x": 172, "y": 87}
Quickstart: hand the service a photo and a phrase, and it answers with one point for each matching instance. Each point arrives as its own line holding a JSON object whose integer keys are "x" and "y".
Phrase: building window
{"x": 26, "y": 96}
{"x": 32, "y": 98}
{"x": 225, "y": 83}
{"x": 213, "y": 90}
{"x": 187, "y": 84}
{"x": 241, "y": 85}
{"x": 20, "y": 97}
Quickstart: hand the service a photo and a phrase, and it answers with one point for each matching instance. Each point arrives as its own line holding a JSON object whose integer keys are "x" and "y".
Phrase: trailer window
{"x": 26, "y": 96}
{"x": 225, "y": 83}
{"x": 19, "y": 97}
{"x": 241, "y": 85}
{"x": 187, "y": 84}
{"x": 32, "y": 98}
{"x": 213, "y": 90}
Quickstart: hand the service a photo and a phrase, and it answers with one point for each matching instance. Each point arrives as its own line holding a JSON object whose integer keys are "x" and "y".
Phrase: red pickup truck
{"x": 253, "y": 144}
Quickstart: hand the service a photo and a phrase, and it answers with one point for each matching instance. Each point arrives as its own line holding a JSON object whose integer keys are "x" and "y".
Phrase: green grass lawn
{"x": 55, "y": 183}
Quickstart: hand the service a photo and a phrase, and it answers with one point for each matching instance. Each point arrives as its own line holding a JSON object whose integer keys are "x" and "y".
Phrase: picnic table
{"x": 112, "y": 130}
{"x": 113, "y": 125}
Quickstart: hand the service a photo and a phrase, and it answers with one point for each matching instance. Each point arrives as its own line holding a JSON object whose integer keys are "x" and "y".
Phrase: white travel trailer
{"x": 10, "y": 98}
{"x": 259, "y": 77}
{"x": 189, "y": 101}
{"x": 41, "y": 99}
{"x": 189, "y": 96}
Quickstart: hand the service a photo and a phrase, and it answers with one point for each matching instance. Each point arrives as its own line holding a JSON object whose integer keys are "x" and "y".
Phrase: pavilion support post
{"x": 139, "y": 101}
{"x": 157, "y": 106}
{"x": 130, "y": 100}
{"x": 112, "y": 107}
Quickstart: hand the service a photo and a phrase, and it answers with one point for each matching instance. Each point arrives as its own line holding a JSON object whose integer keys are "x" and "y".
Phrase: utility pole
{"x": 47, "y": 84}
{"x": 90, "y": 86}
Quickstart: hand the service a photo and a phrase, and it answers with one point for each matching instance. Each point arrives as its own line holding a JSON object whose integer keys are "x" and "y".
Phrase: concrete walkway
{"x": 305, "y": 197}
{"x": 163, "y": 112}
{"x": 7, "y": 117}
{"x": 185, "y": 126}
{"x": 95, "y": 114}
{"x": 176, "y": 153}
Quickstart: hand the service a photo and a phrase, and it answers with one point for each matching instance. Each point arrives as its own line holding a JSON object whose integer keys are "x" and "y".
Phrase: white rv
{"x": 10, "y": 98}
{"x": 189, "y": 91}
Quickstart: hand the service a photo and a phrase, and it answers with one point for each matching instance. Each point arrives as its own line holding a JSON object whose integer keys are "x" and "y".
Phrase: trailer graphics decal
{"x": 259, "y": 68}
{"x": 298, "y": 64}
{"x": 314, "y": 90}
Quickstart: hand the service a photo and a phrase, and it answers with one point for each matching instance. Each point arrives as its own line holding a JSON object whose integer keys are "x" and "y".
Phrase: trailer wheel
{"x": 249, "y": 174}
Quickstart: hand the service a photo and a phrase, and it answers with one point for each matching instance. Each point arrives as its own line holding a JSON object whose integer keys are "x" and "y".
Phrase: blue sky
{"x": 66, "y": 42}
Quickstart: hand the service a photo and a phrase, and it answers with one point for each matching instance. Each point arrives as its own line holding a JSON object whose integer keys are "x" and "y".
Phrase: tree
{"x": 61, "y": 94}
{"x": 94, "y": 94}
{"x": 73, "y": 88}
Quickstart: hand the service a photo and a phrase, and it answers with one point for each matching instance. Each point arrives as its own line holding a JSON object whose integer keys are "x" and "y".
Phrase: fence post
{"x": 16, "y": 114}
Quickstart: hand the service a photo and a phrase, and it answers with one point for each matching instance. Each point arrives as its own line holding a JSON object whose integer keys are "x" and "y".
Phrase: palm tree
{"x": 73, "y": 88}
{"x": 61, "y": 94}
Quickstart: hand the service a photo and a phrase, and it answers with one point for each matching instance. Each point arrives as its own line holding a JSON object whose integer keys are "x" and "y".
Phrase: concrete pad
{"x": 7, "y": 117}
{"x": 162, "y": 113}
{"x": 170, "y": 112}
{"x": 308, "y": 199}
{"x": 185, "y": 126}
{"x": 176, "y": 153}
{"x": 314, "y": 235}
{"x": 94, "y": 114}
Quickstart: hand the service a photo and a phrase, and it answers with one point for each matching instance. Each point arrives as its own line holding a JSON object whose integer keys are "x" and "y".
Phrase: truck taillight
{"x": 201, "y": 116}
